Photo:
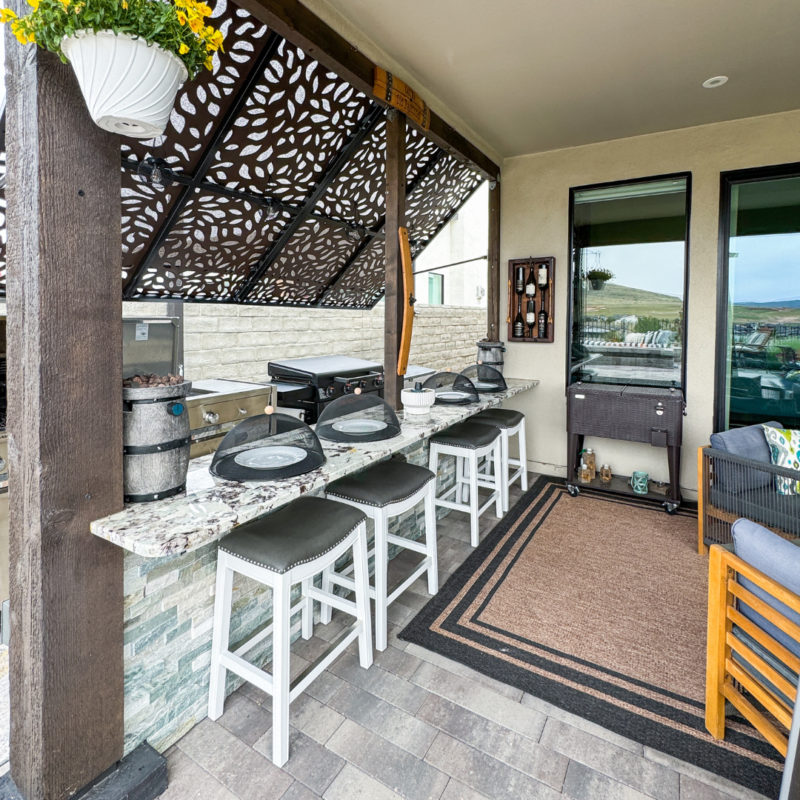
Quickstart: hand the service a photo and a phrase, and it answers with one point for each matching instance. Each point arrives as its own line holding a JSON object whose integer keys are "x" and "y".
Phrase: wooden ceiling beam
{"x": 300, "y": 26}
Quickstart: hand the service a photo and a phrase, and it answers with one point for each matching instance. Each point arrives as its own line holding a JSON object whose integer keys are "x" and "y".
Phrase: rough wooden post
{"x": 65, "y": 413}
{"x": 395, "y": 218}
{"x": 493, "y": 290}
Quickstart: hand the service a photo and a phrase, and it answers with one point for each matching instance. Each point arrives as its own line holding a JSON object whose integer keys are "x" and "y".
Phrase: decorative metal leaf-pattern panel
{"x": 363, "y": 283}
{"x": 210, "y": 250}
{"x": 438, "y": 196}
{"x": 358, "y": 195}
{"x": 202, "y": 102}
{"x": 420, "y": 151}
{"x": 305, "y": 266}
{"x": 296, "y": 119}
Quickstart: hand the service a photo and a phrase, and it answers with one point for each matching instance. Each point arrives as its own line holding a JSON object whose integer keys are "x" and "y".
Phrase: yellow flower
{"x": 6, "y": 15}
{"x": 65, "y": 3}
{"x": 34, "y": 4}
{"x": 183, "y": 49}
{"x": 125, "y": 4}
{"x": 181, "y": 18}
{"x": 196, "y": 24}
{"x": 32, "y": 38}
{"x": 203, "y": 10}
{"x": 213, "y": 38}
{"x": 209, "y": 63}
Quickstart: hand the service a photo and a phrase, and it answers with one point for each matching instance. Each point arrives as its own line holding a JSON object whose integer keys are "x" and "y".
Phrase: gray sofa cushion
{"x": 778, "y": 559}
{"x": 748, "y": 442}
{"x": 763, "y": 505}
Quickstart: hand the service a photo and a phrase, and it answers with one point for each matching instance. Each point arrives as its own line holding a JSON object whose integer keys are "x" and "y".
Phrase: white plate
{"x": 453, "y": 396}
{"x": 270, "y": 457}
{"x": 359, "y": 426}
{"x": 486, "y": 385}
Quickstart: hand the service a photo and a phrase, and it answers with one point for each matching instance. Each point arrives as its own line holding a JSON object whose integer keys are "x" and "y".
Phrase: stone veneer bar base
{"x": 169, "y": 608}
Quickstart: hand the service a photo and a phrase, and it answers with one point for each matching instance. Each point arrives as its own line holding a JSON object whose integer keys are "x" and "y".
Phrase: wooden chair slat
{"x": 757, "y": 719}
{"x": 764, "y": 639}
{"x": 773, "y": 704}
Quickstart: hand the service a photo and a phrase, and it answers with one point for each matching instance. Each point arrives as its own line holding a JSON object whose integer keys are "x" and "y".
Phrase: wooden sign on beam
{"x": 401, "y": 96}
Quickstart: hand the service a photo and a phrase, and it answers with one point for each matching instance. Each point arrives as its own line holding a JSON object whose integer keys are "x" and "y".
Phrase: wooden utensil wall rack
{"x": 544, "y": 298}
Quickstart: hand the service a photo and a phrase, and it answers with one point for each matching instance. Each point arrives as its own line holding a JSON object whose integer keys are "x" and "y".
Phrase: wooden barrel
{"x": 156, "y": 442}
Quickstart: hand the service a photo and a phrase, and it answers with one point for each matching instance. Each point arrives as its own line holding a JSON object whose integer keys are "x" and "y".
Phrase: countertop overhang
{"x": 209, "y": 510}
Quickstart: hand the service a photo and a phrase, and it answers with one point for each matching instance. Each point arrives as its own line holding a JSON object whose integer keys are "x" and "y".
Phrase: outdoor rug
{"x": 597, "y": 604}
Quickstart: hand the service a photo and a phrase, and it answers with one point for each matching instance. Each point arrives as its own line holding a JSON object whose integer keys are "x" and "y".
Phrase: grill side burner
{"x": 309, "y": 384}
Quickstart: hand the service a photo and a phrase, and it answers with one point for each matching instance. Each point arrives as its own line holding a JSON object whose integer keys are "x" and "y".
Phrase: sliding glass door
{"x": 758, "y": 356}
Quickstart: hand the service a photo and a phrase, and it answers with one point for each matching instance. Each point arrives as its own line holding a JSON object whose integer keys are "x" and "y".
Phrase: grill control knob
{"x": 211, "y": 417}
{"x": 379, "y": 381}
{"x": 330, "y": 391}
{"x": 363, "y": 385}
{"x": 348, "y": 388}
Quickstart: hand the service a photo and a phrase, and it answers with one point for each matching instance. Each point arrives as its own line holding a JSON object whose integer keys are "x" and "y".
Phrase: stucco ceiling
{"x": 533, "y": 75}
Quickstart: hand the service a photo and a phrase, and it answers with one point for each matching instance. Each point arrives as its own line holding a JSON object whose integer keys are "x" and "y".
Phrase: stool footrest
{"x": 331, "y": 653}
{"x": 250, "y": 643}
{"x": 417, "y": 573}
{"x": 408, "y": 544}
{"x": 244, "y": 669}
{"x": 348, "y": 606}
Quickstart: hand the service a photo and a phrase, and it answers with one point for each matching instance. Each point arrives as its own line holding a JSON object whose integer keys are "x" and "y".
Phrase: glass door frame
{"x": 687, "y": 176}
{"x": 727, "y": 181}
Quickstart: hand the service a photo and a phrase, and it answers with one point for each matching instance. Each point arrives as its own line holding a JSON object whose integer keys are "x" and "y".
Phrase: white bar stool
{"x": 510, "y": 423}
{"x": 469, "y": 442}
{"x": 289, "y": 546}
{"x": 386, "y": 490}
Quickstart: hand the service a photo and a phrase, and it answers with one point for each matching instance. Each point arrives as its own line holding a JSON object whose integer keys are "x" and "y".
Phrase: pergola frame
{"x": 65, "y": 347}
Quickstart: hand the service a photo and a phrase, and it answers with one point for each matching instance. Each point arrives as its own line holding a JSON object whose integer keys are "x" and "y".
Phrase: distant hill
{"x": 794, "y": 303}
{"x": 615, "y": 300}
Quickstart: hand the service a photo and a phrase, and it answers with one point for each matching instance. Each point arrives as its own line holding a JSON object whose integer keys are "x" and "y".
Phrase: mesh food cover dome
{"x": 485, "y": 378}
{"x": 267, "y": 448}
{"x": 358, "y": 418}
{"x": 452, "y": 388}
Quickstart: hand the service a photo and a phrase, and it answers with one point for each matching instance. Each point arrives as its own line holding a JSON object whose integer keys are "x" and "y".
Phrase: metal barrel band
{"x": 147, "y": 498}
{"x": 162, "y": 447}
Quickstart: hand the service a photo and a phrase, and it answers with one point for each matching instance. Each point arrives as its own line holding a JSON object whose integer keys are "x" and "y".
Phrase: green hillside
{"x": 614, "y": 300}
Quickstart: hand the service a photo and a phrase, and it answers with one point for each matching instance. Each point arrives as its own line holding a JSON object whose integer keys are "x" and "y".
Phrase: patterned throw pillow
{"x": 784, "y": 447}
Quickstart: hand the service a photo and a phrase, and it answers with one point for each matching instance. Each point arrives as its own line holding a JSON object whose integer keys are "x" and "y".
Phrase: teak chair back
{"x": 724, "y": 676}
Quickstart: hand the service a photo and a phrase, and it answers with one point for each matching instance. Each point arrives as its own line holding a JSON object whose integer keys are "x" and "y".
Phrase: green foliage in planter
{"x": 178, "y": 26}
{"x": 599, "y": 275}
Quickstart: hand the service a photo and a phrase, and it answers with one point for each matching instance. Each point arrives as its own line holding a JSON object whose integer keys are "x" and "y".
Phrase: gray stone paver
{"x": 418, "y": 725}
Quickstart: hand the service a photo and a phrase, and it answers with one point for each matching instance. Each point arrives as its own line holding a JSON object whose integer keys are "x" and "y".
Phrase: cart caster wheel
{"x": 574, "y": 491}
{"x": 670, "y": 508}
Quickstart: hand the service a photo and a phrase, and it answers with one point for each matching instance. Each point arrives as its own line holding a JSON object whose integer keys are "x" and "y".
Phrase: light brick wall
{"x": 228, "y": 341}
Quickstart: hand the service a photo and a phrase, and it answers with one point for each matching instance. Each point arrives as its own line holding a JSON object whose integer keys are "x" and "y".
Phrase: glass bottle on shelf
{"x": 530, "y": 286}
{"x": 542, "y": 324}
{"x": 520, "y": 280}
{"x": 530, "y": 318}
{"x": 590, "y": 461}
{"x": 519, "y": 323}
{"x": 605, "y": 473}
{"x": 542, "y": 275}
{"x": 584, "y": 473}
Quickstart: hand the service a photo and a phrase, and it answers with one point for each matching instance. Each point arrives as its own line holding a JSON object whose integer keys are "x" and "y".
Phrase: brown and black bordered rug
{"x": 596, "y": 604}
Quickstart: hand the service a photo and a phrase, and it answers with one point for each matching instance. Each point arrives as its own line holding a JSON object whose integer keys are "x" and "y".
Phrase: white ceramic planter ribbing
{"x": 129, "y": 85}
{"x": 417, "y": 402}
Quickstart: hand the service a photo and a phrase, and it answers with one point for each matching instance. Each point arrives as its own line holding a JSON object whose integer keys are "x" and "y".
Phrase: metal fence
{"x": 615, "y": 330}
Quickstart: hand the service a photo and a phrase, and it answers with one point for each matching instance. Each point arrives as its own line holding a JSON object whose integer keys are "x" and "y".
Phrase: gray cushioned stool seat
{"x": 470, "y": 435}
{"x": 500, "y": 417}
{"x": 385, "y": 483}
{"x": 295, "y": 534}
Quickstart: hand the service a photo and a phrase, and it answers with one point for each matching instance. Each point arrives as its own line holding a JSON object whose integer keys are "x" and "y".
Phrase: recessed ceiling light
{"x": 713, "y": 83}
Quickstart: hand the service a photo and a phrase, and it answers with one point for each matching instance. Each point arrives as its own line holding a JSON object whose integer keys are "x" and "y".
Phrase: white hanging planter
{"x": 129, "y": 85}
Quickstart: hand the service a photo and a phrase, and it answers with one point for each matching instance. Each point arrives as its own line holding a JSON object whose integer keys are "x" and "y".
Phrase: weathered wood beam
{"x": 65, "y": 415}
{"x": 395, "y": 219}
{"x": 493, "y": 287}
{"x": 306, "y": 30}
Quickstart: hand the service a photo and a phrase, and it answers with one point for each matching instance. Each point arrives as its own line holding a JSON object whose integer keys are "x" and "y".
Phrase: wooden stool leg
{"x": 500, "y": 477}
{"x": 431, "y": 543}
{"x": 474, "y": 534}
{"x": 281, "y": 604}
{"x": 324, "y": 609}
{"x": 361, "y": 578}
{"x": 308, "y": 609}
{"x": 221, "y": 636}
{"x": 523, "y": 456}
{"x": 381, "y": 588}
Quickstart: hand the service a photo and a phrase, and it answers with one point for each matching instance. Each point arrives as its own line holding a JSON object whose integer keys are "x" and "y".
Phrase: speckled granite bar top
{"x": 208, "y": 510}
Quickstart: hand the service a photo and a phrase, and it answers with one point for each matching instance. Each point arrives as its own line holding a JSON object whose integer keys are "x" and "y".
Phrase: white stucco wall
{"x": 535, "y": 209}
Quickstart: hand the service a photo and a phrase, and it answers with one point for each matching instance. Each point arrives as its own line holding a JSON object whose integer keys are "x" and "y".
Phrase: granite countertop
{"x": 211, "y": 507}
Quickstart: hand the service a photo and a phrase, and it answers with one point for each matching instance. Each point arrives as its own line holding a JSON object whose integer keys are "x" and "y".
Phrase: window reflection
{"x": 628, "y": 283}
{"x": 763, "y": 366}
